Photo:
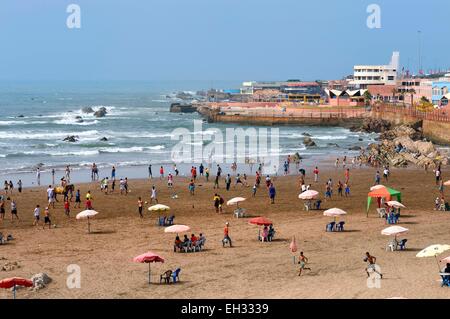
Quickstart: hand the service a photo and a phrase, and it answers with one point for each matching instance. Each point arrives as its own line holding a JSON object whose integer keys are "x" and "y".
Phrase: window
{"x": 390, "y": 78}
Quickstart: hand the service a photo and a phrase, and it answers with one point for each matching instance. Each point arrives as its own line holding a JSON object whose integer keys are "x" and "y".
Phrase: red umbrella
{"x": 15, "y": 281}
{"x": 260, "y": 221}
{"x": 148, "y": 257}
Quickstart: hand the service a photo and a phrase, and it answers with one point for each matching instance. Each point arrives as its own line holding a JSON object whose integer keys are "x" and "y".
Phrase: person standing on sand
{"x": 371, "y": 260}
{"x": 226, "y": 235}
{"x": 336, "y": 164}
{"x": 140, "y": 206}
{"x": 272, "y": 193}
{"x": 254, "y": 190}
{"x": 316, "y": 174}
{"x": 38, "y": 176}
{"x": 437, "y": 174}
{"x": 216, "y": 200}
{"x": 344, "y": 162}
{"x": 207, "y": 174}
{"x": 441, "y": 187}
{"x": 302, "y": 261}
{"x": 53, "y": 177}
{"x": 201, "y": 169}
{"x": 175, "y": 169}
{"x": 113, "y": 173}
{"x": 347, "y": 175}
{"x": 377, "y": 178}
{"x": 347, "y": 190}
{"x": 228, "y": 182}
{"x": 386, "y": 173}
{"x": 192, "y": 187}
{"x": 14, "y": 210}
{"x": 153, "y": 195}
{"x": 77, "y": 199}
{"x": 161, "y": 172}
{"x": 150, "y": 175}
{"x": 37, "y": 215}
{"x": 67, "y": 207}
{"x": 2, "y": 209}
{"x": 19, "y": 185}
{"x": 216, "y": 182}
{"x": 51, "y": 196}
{"x": 47, "y": 219}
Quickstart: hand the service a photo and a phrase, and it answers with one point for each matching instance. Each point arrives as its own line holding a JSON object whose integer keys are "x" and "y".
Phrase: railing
{"x": 435, "y": 115}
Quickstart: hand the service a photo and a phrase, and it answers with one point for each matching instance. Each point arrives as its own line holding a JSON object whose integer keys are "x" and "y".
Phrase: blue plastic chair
{"x": 176, "y": 275}
{"x": 169, "y": 221}
{"x": 340, "y": 226}
{"x": 330, "y": 226}
{"x": 402, "y": 244}
{"x": 445, "y": 281}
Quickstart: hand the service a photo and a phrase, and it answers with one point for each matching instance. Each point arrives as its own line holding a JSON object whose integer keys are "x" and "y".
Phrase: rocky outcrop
{"x": 371, "y": 125}
{"x": 71, "y": 138}
{"x": 308, "y": 142}
{"x": 402, "y": 146}
{"x": 40, "y": 281}
{"x": 87, "y": 109}
{"x": 101, "y": 112}
{"x": 103, "y": 139}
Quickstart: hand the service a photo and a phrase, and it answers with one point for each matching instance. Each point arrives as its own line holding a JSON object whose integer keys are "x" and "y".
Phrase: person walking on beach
{"x": 316, "y": 174}
{"x": 340, "y": 188}
{"x": 347, "y": 189}
{"x": 216, "y": 182}
{"x": 336, "y": 164}
{"x": 377, "y": 178}
{"x": 228, "y": 182}
{"x": 371, "y": 260}
{"x": 38, "y": 176}
{"x": 14, "y": 210}
{"x": 437, "y": 174}
{"x": 53, "y": 177}
{"x": 441, "y": 187}
{"x": 67, "y": 208}
{"x": 51, "y": 196}
{"x": 347, "y": 175}
{"x": 37, "y": 215}
{"x": 201, "y": 169}
{"x": 113, "y": 173}
{"x": 68, "y": 173}
{"x": 2, "y": 208}
{"x": 11, "y": 187}
{"x": 192, "y": 187}
{"x": 254, "y": 190}
{"x": 344, "y": 162}
{"x": 226, "y": 235}
{"x": 19, "y": 186}
{"x": 272, "y": 193}
{"x": 216, "y": 200}
{"x": 47, "y": 219}
{"x": 175, "y": 169}
{"x": 161, "y": 172}
{"x": 302, "y": 261}
{"x": 153, "y": 195}
{"x": 77, "y": 199}
{"x": 122, "y": 186}
{"x": 126, "y": 186}
{"x": 170, "y": 180}
{"x": 285, "y": 168}
{"x": 207, "y": 174}
{"x": 386, "y": 173}
{"x": 150, "y": 175}
{"x": 140, "y": 206}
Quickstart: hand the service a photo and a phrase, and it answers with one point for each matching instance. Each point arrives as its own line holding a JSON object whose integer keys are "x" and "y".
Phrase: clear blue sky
{"x": 215, "y": 39}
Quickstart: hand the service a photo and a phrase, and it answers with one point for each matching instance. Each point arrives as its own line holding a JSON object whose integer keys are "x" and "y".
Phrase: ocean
{"x": 35, "y": 117}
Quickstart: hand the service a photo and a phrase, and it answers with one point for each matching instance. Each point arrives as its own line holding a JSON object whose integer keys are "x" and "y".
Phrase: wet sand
{"x": 251, "y": 269}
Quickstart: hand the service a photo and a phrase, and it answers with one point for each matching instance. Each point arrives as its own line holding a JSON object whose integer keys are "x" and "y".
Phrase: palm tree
{"x": 367, "y": 97}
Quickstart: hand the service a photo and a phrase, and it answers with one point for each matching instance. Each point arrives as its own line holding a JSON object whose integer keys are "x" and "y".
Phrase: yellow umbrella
{"x": 158, "y": 208}
{"x": 433, "y": 251}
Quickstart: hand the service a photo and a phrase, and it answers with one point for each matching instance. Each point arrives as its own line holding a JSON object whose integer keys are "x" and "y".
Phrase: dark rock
{"x": 355, "y": 148}
{"x": 333, "y": 144}
{"x": 103, "y": 139}
{"x": 360, "y": 139}
{"x": 306, "y": 134}
{"x": 71, "y": 139}
{"x": 100, "y": 113}
{"x": 21, "y": 115}
{"x": 87, "y": 109}
{"x": 371, "y": 125}
{"x": 309, "y": 142}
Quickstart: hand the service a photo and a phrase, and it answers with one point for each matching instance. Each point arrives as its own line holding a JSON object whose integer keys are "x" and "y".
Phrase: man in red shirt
{"x": 316, "y": 174}
{"x": 226, "y": 236}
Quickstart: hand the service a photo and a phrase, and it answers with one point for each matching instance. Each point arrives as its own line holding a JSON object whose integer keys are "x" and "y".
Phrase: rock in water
{"x": 87, "y": 109}
{"x": 372, "y": 125}
{"x": 40, "y": 280}
{"x": 308, "y": 142}
{"x": 71, "y": 139}
{"x": 103, "y": 139}
{"x": 306, "y": 134}
{"x": 101, "y": 112}
{"x": 21, "y": 115}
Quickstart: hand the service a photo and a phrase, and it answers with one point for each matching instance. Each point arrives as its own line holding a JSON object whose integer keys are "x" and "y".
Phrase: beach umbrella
{"x": 394, "y": 203}
{"x": 159, "y": 208}
{"x": 14, "y": 282}
{"x": 447, "y": 183}
{"x": 260, "y": 221}
{"x": 377, "y": 187}
{"x": 445, "y": 260}
{"x": 86, "y": 214}
{"x": 177, "y": 229}
{"x": 433, "y": 251}
{"x": 394, "y": 230}
{"x": 148, "y": 258}
{"x": 310, "y": 194}
{"x": 334, "y": 212}
{"x": 383, "y": 192}
{"x": 235, "y": 200}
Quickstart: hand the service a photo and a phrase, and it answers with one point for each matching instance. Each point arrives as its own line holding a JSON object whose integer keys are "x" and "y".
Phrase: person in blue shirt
{"x": 272, "y": 193}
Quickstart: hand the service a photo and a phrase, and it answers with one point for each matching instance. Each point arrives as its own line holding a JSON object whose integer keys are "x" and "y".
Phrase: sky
{"x": 216, "y": 39}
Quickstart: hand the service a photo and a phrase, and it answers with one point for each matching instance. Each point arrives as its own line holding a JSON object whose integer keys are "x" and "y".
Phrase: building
{"x": 384, "y": 93}
{"x": 346, "y": 97}
{"x": 440, "y": 88}
{"x": 364, "y": 75}
{"x": 413, "y": 89}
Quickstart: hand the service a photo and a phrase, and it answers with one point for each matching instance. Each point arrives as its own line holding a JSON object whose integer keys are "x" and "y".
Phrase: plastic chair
{"x": 330, "y": 227}
{"x": 402, "y": 244}
{"x": 340, "y": 226}
{"x": 176, "y": 275}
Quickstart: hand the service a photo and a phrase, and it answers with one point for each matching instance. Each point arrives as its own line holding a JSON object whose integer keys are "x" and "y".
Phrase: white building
{"x": 365, "y": 75}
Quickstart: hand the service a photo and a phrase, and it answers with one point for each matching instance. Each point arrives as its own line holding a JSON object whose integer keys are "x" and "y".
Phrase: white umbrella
{"x": 394, "y": 230}
{"x": 158, "y": 208}
{"x": 334, "y": 212}
{"x": 377, "y": 187}
{"x": 310, "y": 194}
{"x": 86, "y": 214}
{"x": 236, "y": 201}
{"x": 395, "y": 204}
{"x": 177, "y": 229}
{"x": 433, "y": 251}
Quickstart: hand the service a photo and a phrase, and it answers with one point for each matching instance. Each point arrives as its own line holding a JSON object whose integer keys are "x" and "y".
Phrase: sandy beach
{"x": 251, "y": 269}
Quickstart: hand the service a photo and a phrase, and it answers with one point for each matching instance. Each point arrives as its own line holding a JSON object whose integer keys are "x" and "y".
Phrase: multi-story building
{"x": 364, "y": 75}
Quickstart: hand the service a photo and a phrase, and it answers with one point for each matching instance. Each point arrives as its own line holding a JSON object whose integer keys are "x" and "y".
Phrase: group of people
{"x": 189, "y": 244}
